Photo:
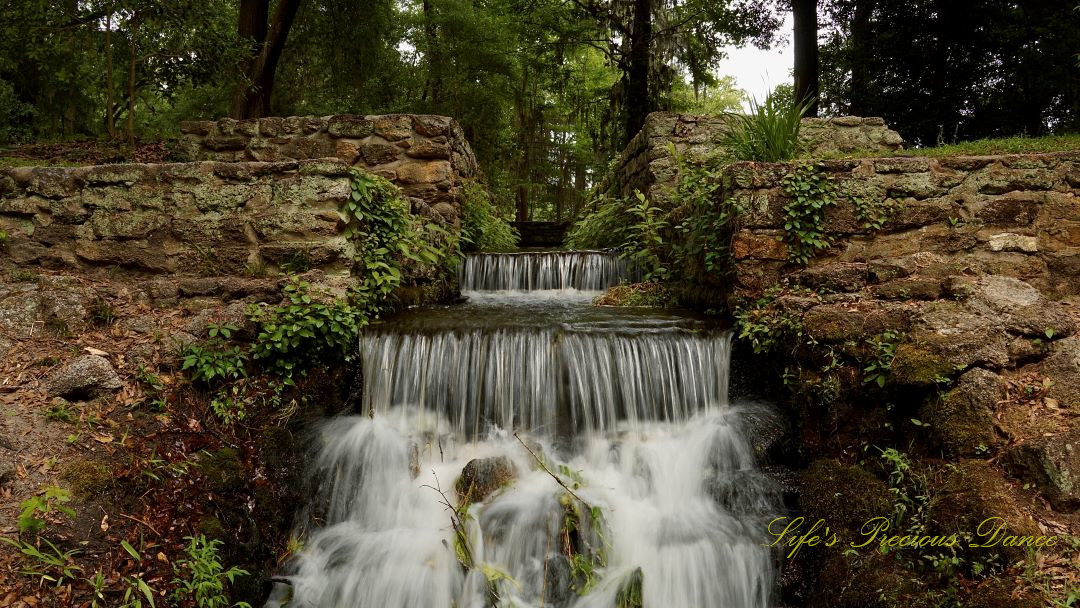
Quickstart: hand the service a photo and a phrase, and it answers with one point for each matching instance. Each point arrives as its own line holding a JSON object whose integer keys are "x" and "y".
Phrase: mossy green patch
{"x": 915, "y": 366}
{"x": 222, "y": 469}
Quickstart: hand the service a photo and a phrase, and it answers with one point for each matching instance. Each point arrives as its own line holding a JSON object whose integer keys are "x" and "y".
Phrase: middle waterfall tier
{"x": 538, "y": 271}
{"x": 564, "y": 380}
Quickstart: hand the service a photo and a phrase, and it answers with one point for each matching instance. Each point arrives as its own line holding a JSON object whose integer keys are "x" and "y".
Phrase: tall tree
{"x": 940, "y": 71}
{"x": 267, "y": 42}
{"x": 806, "y": 53}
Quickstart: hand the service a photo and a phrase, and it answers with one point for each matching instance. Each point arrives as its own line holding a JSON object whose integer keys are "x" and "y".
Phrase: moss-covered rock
{"x": 864, "y": 581}
{"x": 654, "y": 295}
{"x": 844, "y": 496}
{"x": 212, "y": 528}
{"x": 88, "y": 479}
{"x": 915, "y": 366}
{"x": 962, "y": 420}
{"x": 222, "y": 469}
{"x": 1052, "y": 464}
{"x": 971, "y": 495}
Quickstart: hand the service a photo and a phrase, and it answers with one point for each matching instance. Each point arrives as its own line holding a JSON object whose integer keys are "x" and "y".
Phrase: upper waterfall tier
{"x": 536, "y": 271}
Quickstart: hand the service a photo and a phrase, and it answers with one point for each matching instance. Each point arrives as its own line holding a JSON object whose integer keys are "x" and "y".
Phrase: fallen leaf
{"x": 105, "y": 523}
{"x": 95, "y": 351}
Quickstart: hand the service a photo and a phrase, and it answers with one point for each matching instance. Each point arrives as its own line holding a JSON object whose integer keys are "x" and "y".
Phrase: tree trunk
{"x": 806, "y": 53}
{"x": 859, "y": 99}
{"x": 110, "y": 83}
{"x": 134, "y": 59}
{"x": 433, "y": 87}
{"x": 638, "y": 98}
{"x": 254, "y": 99}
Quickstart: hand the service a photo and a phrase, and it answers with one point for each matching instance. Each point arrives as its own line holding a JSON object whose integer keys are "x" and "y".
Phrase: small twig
{"x": 136, "y": 519}
{"x": 548, "y": 471}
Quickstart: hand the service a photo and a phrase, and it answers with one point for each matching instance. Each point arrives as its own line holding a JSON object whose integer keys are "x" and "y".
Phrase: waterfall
{"x": 614, "y": 464}
{"x": 580, "y": 270}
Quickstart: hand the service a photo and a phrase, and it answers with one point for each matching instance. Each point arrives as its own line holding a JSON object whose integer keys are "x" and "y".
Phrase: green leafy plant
{"x": 47, "y": 563}
{"x": 769, "y": 133}
{"x": 202, "y": 577}
{"x": 811, "y": 192}
{"x": 882, "y": 350}
{"x": 225, "y": 330}
{"x": 213, "y": 361}
{"x": 644, "y": 244}
{"x": 709, "y": 217}
{"x": 35, "y": 509}
{"x": 137, "y": 593}
{"x": 483, "y": 228}
{"x": 604, "y": 226}
{"x": 767, "y": 324}
{"x": 873, "y": 214}
{"x": 61, "y": 411}
{"x": 101, "y": 312}
{"x": 309, "y": 328}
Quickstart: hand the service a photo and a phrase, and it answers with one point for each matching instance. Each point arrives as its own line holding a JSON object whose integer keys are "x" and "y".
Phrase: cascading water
{"x": 578, "y": 270}
{"x": 633, "y": 481}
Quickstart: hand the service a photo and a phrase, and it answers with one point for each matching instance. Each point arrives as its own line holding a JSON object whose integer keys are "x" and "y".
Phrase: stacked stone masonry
{"x": 648, "y": 166}
{"x": 1015, "y": 215}
{"x": 226, "y": 213}
{"x": 424, "y": 155}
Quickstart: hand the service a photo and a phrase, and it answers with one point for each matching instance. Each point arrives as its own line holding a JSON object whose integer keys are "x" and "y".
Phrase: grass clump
{"x": 769, "y": 133}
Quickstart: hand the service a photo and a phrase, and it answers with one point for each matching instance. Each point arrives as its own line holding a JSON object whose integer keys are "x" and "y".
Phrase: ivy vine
{"x": 811, "y": 192}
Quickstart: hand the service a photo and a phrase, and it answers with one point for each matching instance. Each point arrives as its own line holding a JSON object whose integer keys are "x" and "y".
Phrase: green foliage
{"x": 137, "y": 593}
{"x": 883, "y": 349}
{"x": 3, "y": 238}
{"x": 811, "y": 192}
{"x": 309, "y": 328}
{"x": 35, "y": 509}
{"x": 770, "y": 133}
{"x": 201, "y": 576}
{"x": 101, "y": 312}
{"x": 644, "y": 244}
{"x": 483, "y": 227}
{"x": 767, "y": 325}
{"x": 213, "y": 361}
{"x": 378, "y": 222}
{"x": 61, "y": 411}
{"x": 604, "y": 226}
{"x": 15, "y": 115}
{"x": 49, "y": 563}
{"x": 710, "y": 217}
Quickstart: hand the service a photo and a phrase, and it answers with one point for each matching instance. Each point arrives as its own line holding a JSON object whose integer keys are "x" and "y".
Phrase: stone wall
{"x": 201, "y": 218}
{"x": 426, "y": 156}
{"x": 646, "y": 163}
{"x": 1016, "y": 216}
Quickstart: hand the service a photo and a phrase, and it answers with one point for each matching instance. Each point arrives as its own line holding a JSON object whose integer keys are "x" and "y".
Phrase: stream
{"x": 624, "y": 477}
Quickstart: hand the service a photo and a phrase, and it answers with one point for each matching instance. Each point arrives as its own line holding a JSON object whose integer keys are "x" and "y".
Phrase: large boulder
{"x": 84, "y": 377}
{"x": 1052, "y": 464}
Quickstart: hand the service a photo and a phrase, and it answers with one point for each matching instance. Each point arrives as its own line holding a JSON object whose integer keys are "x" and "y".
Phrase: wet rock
{"x": 483, "y": 476}
{"x": 1052, "y": 464}
{"x": 972, "y": 492}
{"x": 962, "y": 421}
{"x": 1062, "y": 367}
{"x": 84, "y": 377}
